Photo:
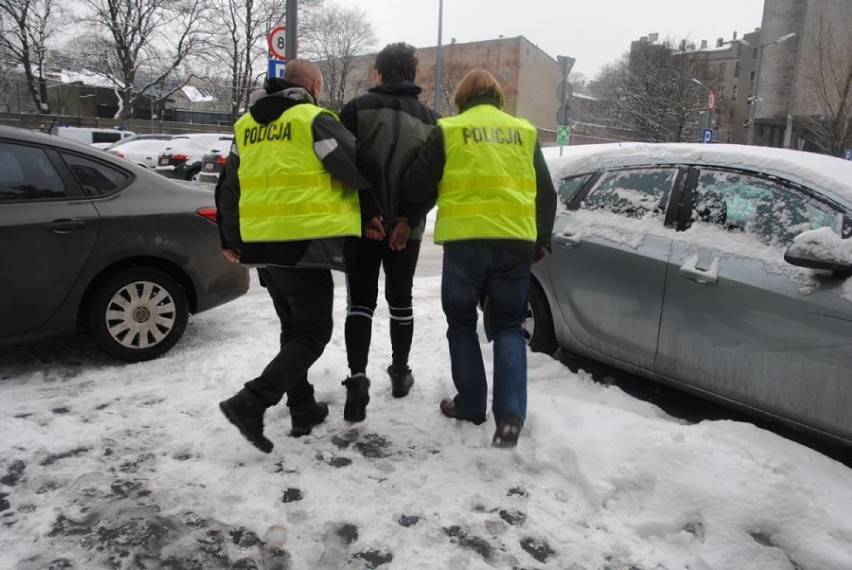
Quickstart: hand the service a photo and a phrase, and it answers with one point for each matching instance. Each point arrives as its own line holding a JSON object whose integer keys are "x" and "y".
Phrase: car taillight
{"x": 221, "y": 159}
{"x": 180, "y": 157}
{"x": 209, "y": 213}
{"x": 120, "y": 155}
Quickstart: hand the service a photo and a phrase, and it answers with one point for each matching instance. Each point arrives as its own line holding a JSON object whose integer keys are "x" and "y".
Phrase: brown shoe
{"x": 448, "y": 408}
{"x": 508, "y": 431}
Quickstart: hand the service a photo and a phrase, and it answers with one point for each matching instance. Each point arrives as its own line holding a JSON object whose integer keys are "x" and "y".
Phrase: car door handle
{"x": 568, "y": 240}
{"x": 65, "y": 226}
{"x": 691, "y": 271}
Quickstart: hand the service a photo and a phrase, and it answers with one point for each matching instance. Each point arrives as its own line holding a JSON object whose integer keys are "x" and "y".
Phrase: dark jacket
{"x": 333, "y": 145}
{"x": 420, "y": 189}
{"x": 390, "y": 124}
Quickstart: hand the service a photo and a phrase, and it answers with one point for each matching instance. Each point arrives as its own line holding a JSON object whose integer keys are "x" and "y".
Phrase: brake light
{"x": 221, "y": 159}
{"x": 209, "y": 213}
{"x": 120, "y": 155}
{"x": 181, "y": 157}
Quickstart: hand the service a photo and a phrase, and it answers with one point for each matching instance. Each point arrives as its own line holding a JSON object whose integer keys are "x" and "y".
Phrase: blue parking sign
{"x": 276, "y": 67}
{"x": 707, "y": 136}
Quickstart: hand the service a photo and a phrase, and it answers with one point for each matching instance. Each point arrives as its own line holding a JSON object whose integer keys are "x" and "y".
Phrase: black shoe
{"x": 357, "y": 398}
{"x": 303, "y": 420}
{"x": 448, "y": 408}
{"x": 248, "y": 419}
{"x": 401, "y": 382}
{"x": 508, "y": 431}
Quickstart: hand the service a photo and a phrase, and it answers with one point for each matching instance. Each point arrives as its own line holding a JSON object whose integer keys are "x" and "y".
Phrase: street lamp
{"x": 753, "y": 99}
{"x": 438, "y": 71}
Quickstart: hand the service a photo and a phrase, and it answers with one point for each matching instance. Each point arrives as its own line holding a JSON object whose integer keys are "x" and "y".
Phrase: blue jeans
{"x": 473, "y": 269}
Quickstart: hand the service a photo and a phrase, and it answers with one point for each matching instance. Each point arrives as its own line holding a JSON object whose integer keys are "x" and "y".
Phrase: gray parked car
{"x": 720, "y": 269}
{"x": 93, "y": 241}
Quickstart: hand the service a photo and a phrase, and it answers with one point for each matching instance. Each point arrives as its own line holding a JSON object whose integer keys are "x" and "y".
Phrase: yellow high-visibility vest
{"x": 285, "y": 191}
{"x": 488, "y": 188}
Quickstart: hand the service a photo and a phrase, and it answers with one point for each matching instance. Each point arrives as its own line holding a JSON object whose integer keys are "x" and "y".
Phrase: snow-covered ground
{"x": 106, "y": 465}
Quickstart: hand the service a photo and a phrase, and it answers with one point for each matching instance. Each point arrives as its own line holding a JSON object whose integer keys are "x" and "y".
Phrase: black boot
{"x": 248, "y": 419}
{"x": 401, "y": 381}
{"x": 305, "y": 416}
{"x": 357, "y": 398}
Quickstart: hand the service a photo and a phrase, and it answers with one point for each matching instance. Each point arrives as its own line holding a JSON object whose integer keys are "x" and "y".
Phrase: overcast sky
{"x": 595, "y": 32}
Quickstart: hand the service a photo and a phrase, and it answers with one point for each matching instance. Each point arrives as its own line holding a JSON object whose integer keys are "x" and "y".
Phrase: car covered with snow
{"x": 181, "y": 160}
{"x": 720, "y": 269}
{"x": 142, "y": 151}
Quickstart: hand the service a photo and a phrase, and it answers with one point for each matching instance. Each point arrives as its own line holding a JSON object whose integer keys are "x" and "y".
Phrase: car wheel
{"x": 193, "y": 175}
{"x": 538, "y": 326}
{"x": 138, "y": 314}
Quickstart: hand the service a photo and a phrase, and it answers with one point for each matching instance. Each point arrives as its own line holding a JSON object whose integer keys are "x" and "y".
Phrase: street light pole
{"x": 291, "y": 12}
{"x": 438, "y": 62}
{"x": 753, "y": 98}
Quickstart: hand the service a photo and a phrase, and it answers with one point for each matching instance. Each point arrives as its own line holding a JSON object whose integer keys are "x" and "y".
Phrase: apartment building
{"x": 803, "y": 81}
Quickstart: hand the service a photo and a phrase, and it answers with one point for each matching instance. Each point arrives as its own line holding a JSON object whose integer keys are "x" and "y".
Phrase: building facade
{"x": 528, "y": 76}
{"x": 803, "y": 83}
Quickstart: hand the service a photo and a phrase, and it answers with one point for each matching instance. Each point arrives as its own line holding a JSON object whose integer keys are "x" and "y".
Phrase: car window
{"x": 99, "y": 137}
{"x": 96, "y": 178}
{"x": 635, "y": 193}
{"x": 568, "y": 187}
{"x": 26, "y": 173}
{"x": 773, "y": 212}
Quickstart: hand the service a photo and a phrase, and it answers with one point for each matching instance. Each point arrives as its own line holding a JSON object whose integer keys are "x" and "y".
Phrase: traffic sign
{"x": 563, "y": 115}
{"x": 563, "y": 135}
{"x": 711, "y": 100}
{"x": 564, "y": 91}
{"x": 278, "y": 42}
{"x": 276, "y": 68}
{"x": 565, "y": 64}
{"x": 848, "y": 154}
{"x": 707, "y": 136}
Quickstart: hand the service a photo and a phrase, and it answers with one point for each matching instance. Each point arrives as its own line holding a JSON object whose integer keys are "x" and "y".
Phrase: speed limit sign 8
{"x": 278, "y": 42}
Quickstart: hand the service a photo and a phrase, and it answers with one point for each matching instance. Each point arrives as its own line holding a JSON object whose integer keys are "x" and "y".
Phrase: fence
{"x": 34, "y": 121}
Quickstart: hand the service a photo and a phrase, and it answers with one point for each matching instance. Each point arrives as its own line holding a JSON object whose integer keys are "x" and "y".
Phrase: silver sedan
{"x": 720, "y": 269}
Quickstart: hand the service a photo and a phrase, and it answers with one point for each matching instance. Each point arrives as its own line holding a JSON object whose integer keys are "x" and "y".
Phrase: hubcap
{"x": 140, "y": 315}
{"x": 529, "y": 325}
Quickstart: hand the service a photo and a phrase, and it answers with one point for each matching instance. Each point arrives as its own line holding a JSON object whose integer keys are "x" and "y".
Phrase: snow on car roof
{"x": 819, "y": 171}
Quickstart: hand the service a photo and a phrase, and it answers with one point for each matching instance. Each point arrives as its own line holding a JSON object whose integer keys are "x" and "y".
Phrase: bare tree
{"x": 830, "y": 82}
{"x": 333, "y": 38}
{"x": 651, "y": 90}
{"x": 144, "y": 45}
{"x": 243, "y": 26}
{"x": 26, "y": 27}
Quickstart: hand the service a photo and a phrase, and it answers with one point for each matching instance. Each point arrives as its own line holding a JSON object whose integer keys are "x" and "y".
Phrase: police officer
{"x": 287, "y": 201}
{"x": 496, "y": 207}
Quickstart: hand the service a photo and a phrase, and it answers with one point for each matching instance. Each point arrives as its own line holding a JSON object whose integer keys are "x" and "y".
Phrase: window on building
{"x": 722, "y": 71}
{"x": 734, "y": 92}
{"x": 738, "y": 69}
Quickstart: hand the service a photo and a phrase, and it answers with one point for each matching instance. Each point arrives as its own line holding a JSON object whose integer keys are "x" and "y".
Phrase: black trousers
{"x": 362, "y": 284}
{"x": 303, "y": 299}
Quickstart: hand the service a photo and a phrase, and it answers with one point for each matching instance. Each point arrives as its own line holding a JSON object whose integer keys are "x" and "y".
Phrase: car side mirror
{"x": 821, "y": 249}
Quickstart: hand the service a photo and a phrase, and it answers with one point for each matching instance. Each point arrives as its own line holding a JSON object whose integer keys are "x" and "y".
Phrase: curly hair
{"x": 397, "y": 62}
